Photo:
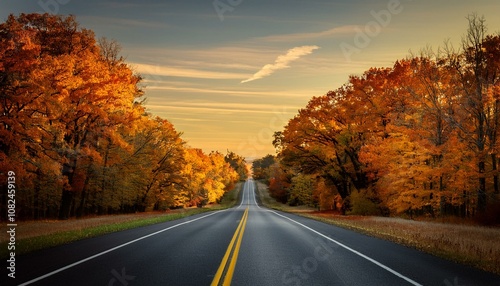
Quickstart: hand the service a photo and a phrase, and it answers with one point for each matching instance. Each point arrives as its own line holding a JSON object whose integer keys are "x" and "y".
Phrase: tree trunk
{"x": 83, "y": 199}
{"x": 36, "y": 195}
{"x": 65, "y": 208}
{"x": 67, "y": 194}
{"x": 84, "y": 194}
{"x": 442, "y": 206}
{"x": 481, "y": 192}
{"x": 495, "y": 174}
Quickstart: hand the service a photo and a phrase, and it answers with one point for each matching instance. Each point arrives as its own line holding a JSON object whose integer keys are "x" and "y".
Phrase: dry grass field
{"x": 477, "y": 246}
{"x": 473, "y": 245}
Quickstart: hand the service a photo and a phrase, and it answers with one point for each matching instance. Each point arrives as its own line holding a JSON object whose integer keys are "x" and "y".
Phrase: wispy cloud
{"x": 220, "y": 107}
{"x": 251, "y": 93}
{"x": 282, "y": 62}
{"x": 146, "y": 69}
{"x": 121, "y": 22}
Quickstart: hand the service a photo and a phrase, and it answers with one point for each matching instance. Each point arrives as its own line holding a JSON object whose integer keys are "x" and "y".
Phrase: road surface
{"x": 244, "y": 245}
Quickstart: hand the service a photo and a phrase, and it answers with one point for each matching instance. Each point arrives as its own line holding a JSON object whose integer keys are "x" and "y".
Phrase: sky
{"x": 230, "y": 73}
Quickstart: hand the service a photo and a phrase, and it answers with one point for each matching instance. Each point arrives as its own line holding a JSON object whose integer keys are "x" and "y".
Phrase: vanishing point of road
{"x": 244, "y": 245}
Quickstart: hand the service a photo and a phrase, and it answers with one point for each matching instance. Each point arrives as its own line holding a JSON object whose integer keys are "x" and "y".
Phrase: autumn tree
{"x": 325, "y": 138}
{"x": 195, "y": 171}
{"x": 88, "y": 98}
{"x": 301, "y": 191}
{"x": 420, "y": 137}
{"x": 156, "y": 160}
{"x": 238, "y": 164}
{"x": 208, "y": 177}
{"x": 65, "y": 98}
{"x": 75, "y": 131}
{"x": 221, "y": 177}
{"x": 21, "y": 145}
{"x": 279, "y": 182}
{"x": 478, "y": 68}
{"x": 261, "y": 167}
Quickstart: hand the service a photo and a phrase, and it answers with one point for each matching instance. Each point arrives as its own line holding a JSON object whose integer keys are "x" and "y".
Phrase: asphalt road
{"x": 245, "y": 245}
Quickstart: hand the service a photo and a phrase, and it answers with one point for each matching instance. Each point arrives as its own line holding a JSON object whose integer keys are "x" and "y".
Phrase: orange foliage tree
{"x": 74, "y": 130}
{"x": 420, "y": 137}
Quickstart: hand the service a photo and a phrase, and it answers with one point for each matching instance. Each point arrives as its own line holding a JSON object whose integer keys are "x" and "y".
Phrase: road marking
{"x": 352, "y": 250}
{"x": 253, "y": 190}
{"x": 237, "y": 237}
{"x": 113, "y": 249}
{"x": 243, "y": 196}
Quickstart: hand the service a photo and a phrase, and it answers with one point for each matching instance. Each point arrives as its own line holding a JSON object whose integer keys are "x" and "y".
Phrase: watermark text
{"x": 11, "y": 225}
{"x": 365, "y": 35}
{"x": 223, "y": 6}
{"x": 52, "y": 6}
{"x": 120, "y": 278}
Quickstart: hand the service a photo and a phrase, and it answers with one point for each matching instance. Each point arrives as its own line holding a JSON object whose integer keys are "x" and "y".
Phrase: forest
{"x": 419, "y": 138}
{"x": 75, "y": 131}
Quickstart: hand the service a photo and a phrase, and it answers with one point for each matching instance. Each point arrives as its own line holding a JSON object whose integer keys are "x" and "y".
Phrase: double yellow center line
{"x": 231, "y": 255}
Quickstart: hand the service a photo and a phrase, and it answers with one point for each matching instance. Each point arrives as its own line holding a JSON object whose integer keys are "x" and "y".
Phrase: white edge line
{"x": 242, "y": 196}
{"x": 113, "y": 249}
{"x": 254, "y": 199}
{"x": 353, "y": 251}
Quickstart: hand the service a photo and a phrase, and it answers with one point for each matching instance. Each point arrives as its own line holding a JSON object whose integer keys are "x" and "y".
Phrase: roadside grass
{"x": 76, "y": 229}
{"x": 37, "y": 235}
{"x": 476, "y": 246}
{"x": 230, "y": 198}
{"x": 270, "y": 202}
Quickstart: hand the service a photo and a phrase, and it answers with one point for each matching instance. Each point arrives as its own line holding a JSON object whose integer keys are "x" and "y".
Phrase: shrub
{"x": 363, "y": 203}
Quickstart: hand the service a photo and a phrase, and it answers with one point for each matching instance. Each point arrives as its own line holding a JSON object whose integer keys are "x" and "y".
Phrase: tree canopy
{"x": 419, "y": 137}
{"x": 75, "y": 131}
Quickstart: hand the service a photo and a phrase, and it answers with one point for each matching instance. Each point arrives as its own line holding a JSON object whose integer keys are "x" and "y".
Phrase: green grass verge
{"x": 27, "y": 245}
{"x": 31, "y": 244}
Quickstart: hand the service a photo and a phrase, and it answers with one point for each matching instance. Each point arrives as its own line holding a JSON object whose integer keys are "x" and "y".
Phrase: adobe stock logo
{"x": 297, "y": 274}
{"x": 223, "y": 6}
{"x": 372, "y": 29}
{"x": 120, "y": 279}
{"x": 52, "y": 6}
